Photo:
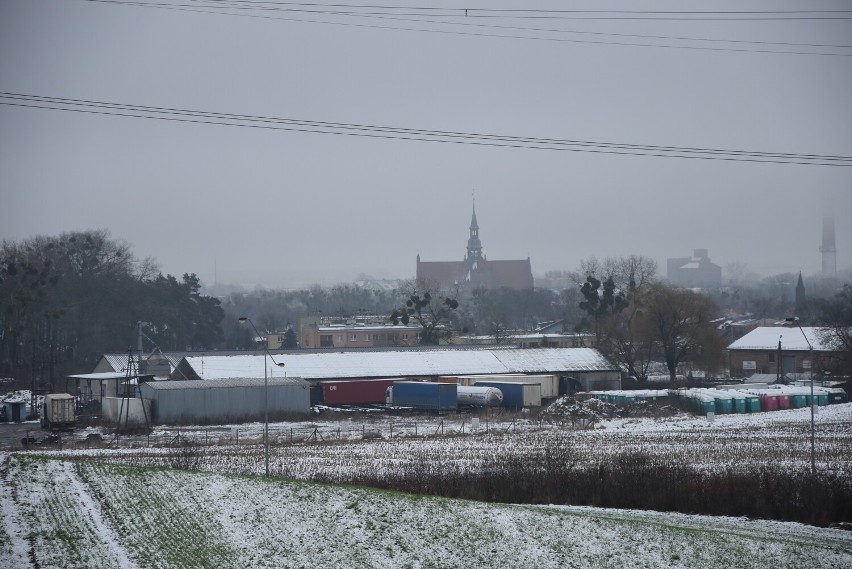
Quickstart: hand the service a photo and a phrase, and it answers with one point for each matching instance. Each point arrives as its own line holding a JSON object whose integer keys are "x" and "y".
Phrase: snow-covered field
{"x": 370, "y": 445}
{"x": 86, "y": 514}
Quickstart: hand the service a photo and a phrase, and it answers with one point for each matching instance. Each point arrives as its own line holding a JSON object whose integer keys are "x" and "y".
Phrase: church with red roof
{"x": 475, "y": 271}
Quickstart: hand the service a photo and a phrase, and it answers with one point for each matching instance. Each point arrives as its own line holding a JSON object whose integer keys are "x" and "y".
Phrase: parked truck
{"x": 57, "y": 412}
{"x": 516, "y": 395}
{"x": 355, "y": 392}
{"x": 423, "y": 395}
{"x": 549, "y": 383}
{"x": 479, "y": 396}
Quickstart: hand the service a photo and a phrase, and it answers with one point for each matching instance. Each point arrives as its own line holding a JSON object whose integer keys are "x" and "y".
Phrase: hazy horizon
{"x": 288, "y": 208}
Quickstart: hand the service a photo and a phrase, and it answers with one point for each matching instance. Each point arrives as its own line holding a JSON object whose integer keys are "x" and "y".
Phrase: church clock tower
{"x": 474, "y": 245}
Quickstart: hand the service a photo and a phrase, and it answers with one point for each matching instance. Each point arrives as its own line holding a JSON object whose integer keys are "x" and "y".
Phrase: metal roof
{"x": 118, "y": 362}
{"x": 405, "y": 362}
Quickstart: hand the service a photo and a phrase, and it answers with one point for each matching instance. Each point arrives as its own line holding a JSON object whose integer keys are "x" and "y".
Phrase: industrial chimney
{"x": 828, "y": 250}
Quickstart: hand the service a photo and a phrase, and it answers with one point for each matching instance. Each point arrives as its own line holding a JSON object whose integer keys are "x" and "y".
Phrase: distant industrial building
{"x": 694, "y": 272}
{"x": 828, "y": 250}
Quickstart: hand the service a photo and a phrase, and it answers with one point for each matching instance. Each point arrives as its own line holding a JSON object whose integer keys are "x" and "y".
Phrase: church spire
{"x": 474, "y": 245}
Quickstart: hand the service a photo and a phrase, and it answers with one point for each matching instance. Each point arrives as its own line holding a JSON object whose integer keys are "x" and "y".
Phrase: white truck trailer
{"x": 57, "y": 412}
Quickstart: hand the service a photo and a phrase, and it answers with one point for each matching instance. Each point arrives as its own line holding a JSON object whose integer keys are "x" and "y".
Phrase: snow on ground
{"x": 93, "y": 508}
{"x": 731, "y": 442}
{"x": 13, "y": 544}
{"x": 170, "y": 518}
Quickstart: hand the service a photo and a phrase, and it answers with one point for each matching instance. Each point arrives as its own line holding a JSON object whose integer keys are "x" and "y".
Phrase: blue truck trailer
{"x": 423, "y": 395}
{"x": 516, "y": 395}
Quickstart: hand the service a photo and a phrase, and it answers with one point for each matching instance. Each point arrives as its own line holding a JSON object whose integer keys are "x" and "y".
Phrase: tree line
{"x": 66, "y": 300}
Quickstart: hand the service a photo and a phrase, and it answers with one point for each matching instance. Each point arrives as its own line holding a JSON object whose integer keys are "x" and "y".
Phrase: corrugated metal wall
{"x": 598, "y": 380}
{"x": 225, "y": 404}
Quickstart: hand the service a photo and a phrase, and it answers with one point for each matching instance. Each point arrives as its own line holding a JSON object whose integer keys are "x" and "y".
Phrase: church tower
{"x": 474, "y": 245}
{"x": 801, "y": 300}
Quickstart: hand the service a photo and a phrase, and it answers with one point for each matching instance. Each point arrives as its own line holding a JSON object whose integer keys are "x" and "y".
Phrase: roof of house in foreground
{"x": 767, "y": 337}
{"x": 404, "y": 362}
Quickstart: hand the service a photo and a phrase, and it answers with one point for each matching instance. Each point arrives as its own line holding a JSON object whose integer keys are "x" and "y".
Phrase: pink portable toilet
{"x": 783, "y": 401}
{"x": 768, "y": 402}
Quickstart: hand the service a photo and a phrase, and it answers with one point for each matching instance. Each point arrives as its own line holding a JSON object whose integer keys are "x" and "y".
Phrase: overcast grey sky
{"x": 283, "y": 208}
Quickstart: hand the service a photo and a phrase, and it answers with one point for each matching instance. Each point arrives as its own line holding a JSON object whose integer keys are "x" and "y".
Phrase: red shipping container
{"x": 355, "y": 392}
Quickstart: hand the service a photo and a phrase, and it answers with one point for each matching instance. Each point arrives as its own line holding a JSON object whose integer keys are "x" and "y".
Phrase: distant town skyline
{"x": 285, "y": 149}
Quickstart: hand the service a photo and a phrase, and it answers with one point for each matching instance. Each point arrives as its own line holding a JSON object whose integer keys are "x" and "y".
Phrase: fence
{"x": 278, "y": 435}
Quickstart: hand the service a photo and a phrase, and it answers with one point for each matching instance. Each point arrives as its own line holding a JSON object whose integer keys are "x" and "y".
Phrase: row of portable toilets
{"x": 732, "y": 400}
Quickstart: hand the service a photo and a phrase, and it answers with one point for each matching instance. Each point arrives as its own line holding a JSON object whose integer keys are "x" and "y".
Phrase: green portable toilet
{"x": 836, "y": 395}
{"x": 822, "y": 398}
{"x": 739, "y": 402}
{"x": 752, "y": 404}
{"x": 724, "y": 404}
{"x": 707, "y": 404}
{"x": 798, "y": 400}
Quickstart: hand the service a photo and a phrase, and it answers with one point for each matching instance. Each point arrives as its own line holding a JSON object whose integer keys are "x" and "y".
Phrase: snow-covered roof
{"x": 225, "y": 383}
{"x": 406, "y": 363}
{"x": 766, "y": 338}
{"x": 101, "y": 375}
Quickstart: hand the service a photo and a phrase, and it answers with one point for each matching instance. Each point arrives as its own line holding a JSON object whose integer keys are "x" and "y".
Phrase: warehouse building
{"x": 234, "y": 400}
{"x": 585, "y": 368}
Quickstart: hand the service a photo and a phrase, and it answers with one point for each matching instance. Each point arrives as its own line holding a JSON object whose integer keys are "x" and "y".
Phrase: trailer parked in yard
{"x": 355, "y": 392}
{"x": 516, "y": 395}
{"x": 479, "y": 395}
{"x": 549, "y": 383}
{"x": 423, "y": 395}
{"x": 57, "y": 412}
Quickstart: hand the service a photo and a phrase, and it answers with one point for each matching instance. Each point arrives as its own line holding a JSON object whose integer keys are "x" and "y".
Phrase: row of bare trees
{"x": 637, "y": 319}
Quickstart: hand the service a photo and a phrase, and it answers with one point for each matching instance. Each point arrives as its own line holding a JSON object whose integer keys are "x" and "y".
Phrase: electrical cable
{"x": 422, "y": 135}
{"x": 216, "y": 9}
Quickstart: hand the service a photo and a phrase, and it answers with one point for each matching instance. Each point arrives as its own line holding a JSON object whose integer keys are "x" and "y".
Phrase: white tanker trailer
{"x": 481, "y": 396}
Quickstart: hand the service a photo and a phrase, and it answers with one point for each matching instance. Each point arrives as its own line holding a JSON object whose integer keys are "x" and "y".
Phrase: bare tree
{"x": 837, "y": 331}
{"x": 680, "y": 322}
{"x": 616, "y": 330}
{"x": 431, "y": 310}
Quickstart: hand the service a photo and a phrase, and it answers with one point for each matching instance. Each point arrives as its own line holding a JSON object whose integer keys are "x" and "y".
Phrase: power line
{"x": 218, "y": 8}
{"x": 374, "y": 9}
{"x": 412, "y": 134}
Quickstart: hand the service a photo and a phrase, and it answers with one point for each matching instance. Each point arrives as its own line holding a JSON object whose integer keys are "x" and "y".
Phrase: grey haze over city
{"x": 257, "y": 204}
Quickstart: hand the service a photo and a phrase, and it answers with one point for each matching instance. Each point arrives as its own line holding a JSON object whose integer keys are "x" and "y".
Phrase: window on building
{"x": 353, "y": 338}
{"x": 405, "y": 336}
{"x": 367, "y": 337}
{"x": 771, "y": 356}
{"x": 325, "y": 341}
